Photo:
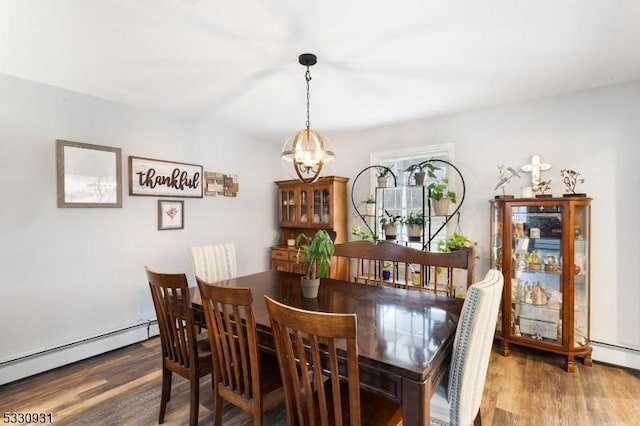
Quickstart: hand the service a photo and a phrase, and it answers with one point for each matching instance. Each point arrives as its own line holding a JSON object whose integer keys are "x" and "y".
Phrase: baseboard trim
{"x": 48, "y": 359}
{"x": 616, "y": 355}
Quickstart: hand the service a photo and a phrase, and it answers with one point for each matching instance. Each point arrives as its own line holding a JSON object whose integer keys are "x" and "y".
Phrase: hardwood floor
{"x": 123, "y": 388}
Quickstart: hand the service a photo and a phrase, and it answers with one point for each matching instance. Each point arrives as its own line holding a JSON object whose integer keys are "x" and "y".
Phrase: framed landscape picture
{"x": 88, "y": 175}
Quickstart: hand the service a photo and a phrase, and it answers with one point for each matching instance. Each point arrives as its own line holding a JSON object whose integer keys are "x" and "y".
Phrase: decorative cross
{"x": 535, "y": 168}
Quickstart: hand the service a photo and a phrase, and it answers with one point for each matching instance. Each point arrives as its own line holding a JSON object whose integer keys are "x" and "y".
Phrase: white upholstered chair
{"x": 459, "y": 403}
{"x": 214, "y": 263}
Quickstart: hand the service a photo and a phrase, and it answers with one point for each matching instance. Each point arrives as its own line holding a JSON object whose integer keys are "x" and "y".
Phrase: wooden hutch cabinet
{"x": 305, "y": 208}
{"x": 542, "y": 247}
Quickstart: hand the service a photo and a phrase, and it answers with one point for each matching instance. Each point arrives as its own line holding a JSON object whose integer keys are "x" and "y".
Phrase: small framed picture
{"x": 170, "y": 215}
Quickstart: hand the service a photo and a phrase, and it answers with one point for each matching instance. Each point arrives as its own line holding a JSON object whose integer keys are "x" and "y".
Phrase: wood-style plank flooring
{"x": 123, "y": 388}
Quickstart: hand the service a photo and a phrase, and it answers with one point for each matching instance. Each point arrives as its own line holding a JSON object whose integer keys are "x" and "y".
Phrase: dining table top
{"x": 405, "y": 336}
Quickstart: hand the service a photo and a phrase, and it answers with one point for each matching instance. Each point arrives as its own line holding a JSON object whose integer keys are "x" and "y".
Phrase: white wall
{"x": 69, "y": 273}
{"x": 596, "y": 132}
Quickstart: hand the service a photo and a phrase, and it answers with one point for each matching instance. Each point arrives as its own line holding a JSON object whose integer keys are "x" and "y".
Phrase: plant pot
{"x": 310, "y": 287}
{"x": 419, "y": 177}
{"x": 382, "y": 182}
{"x": 580, "y": 195}
{"x": 414, "y": 232}
{"x": 441, "y": 206}
{"x": 386, "y": 275}
{"x": 370, "y": 209}
{"x": 390, "y": 231}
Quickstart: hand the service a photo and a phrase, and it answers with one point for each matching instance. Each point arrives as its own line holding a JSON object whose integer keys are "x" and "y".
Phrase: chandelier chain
{"x": 307, "y": 77}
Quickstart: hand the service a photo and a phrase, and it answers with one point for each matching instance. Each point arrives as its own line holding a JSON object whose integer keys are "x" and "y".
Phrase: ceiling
{"x": 235, "y": 63}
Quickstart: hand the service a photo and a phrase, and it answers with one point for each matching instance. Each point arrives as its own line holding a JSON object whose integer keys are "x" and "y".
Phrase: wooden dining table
{"x": 405, "y": 337}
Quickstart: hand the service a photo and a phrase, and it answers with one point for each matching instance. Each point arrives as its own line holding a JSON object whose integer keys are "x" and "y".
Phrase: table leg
{"x": 416, "y": 403}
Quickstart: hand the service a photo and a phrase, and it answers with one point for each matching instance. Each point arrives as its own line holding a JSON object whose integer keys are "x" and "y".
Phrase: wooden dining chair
{"x": 184, "y": 352}
{"x": 213, "y": 263}
{"x": 242, "y": 375}
{"x": 458, "y": 403}
{"x": 410, "y": 268}
{"x": 316, "y": 342}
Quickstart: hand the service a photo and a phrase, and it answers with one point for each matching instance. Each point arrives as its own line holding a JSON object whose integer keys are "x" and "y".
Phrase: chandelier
{"x": 308, "y": 150}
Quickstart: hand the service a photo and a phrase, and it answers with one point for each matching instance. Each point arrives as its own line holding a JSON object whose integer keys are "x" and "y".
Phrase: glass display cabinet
{"x": 542, "y": 247}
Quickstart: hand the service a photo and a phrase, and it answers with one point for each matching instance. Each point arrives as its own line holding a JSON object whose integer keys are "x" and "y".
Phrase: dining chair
{"x": 314, "y": 342}
{"x": 184, "y": 352}
{"x": 214, "y": 263}
{"x": 410, "y": 268}
{"x": 243, "y": 376}
{"x": 458, "y": 403}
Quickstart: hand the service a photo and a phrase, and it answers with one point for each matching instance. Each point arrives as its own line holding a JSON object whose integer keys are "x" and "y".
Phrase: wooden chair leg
{"x": 218, "y": 410}
{"x": 166, "y": 393}
{"x": 194, "y": 401}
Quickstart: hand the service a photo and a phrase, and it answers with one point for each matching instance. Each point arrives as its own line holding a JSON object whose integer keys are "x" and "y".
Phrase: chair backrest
{"x": 411, "y": 268}
{"x": 472, "y": 347}
{"x": 232, "y": 333}
{"x": 322, "y": 334}
{"x": 172, "y": 302}
{"x": 214, "y": 263}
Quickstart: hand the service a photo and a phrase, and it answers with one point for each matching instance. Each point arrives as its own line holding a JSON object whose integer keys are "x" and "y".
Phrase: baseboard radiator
{"x": 50, "y": 358}
{"x": 616, "y": 355}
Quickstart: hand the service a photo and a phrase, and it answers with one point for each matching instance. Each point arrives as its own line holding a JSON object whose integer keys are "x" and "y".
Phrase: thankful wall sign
{"x": 161, "y": 178}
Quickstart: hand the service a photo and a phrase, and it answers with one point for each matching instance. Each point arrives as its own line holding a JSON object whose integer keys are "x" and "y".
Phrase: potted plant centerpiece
{"x": 415, "y": 223}
{"x": 391, "y": 225}
{"x": 441, "y": 196}
{"x": 318, "y": 251}
{"x": 418, "y": 172}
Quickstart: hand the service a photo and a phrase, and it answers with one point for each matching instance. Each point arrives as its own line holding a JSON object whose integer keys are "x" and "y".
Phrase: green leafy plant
{"x": 318, "y": 251}
{"x": 390, "y": 219}
{"x": 387, "y": 265}
{"x": 382, "y": 171}
{"x": 356, "y": 231}
{"x": 456, "y": 241}
{"x": 439, "y": 189}
{"x": 370, "y": 199}
{"x": 428, "y": 168}
{"x": 415, "y": 218}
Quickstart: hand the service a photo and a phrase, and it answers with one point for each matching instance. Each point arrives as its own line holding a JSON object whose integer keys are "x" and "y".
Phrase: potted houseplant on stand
{"x": 441, "y": 196}
{"x": 382, "y": 173}
{"x": 318, "y": 251}
{"x": 391, "y": 225}
{"x": 455, "y": 242}
{"x": 370, "y": 205}
{"x": 415, "y": 225}
{"x": 418, "y": 172}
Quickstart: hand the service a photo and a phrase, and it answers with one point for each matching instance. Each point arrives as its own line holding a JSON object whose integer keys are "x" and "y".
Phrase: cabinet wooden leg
{"x": 588, "y": 361}
{"x": 505, "y": 348}
{"x": 570, "y": 366}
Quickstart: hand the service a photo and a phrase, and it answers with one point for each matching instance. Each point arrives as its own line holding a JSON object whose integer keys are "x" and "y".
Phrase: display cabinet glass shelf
{"x": 542, "y": 247}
